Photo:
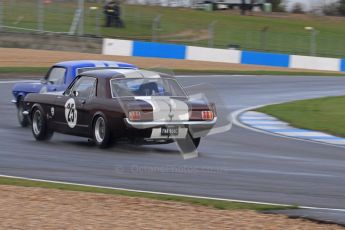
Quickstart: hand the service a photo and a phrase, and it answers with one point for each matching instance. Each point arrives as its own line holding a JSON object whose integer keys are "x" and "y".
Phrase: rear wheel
{"x": 101, "y": 132}
{"x": 39, "y": 126}
{"x": 196, "y": 142}
{"x": 22, "y": 119}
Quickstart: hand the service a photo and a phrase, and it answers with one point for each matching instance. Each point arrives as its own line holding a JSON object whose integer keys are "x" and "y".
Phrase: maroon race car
{"x": 139, "y": 106}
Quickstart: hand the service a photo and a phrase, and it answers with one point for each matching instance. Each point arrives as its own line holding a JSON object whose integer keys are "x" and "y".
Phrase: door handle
{"x": 82, "y": 101}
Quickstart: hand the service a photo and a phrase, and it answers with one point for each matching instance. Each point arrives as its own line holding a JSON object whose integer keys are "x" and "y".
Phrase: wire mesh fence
{"x": 85, "y": 17}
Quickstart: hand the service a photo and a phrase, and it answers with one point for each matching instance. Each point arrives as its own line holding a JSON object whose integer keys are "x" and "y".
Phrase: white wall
{"x": 117, "y": 47}
{"x": 213, "y": 55}
{"x": 314, "y": 63}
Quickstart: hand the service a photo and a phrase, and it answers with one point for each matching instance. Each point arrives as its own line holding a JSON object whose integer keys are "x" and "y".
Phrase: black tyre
{"x": 196, "y": 142}
{"x": 22, "y": 119}
{"x": 101, "y": 132}
{"x": 39, "y": 126}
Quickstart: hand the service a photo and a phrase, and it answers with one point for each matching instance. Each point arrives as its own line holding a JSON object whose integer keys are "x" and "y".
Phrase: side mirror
{"x": 75, "y": 93}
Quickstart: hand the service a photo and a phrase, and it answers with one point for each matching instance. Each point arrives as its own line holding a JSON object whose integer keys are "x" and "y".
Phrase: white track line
{"x": 171, "y": 194}
{"x": 236, "y": 120}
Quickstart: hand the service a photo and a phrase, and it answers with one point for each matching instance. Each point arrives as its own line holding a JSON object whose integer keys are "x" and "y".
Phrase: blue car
{"x": 58, "y": 78}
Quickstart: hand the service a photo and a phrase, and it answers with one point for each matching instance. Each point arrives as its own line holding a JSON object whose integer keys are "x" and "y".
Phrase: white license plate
{"x": 169, "y": 131}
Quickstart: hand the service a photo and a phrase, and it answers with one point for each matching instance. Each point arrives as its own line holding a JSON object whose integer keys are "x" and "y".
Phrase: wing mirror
{"x": 75, "y": 93}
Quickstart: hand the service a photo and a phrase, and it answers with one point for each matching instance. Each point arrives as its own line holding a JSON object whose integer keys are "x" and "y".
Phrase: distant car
{"x": 58, "y": 78}
{"x": 139, "y": 106}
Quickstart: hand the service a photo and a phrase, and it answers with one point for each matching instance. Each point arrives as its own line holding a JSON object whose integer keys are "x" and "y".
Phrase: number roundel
{"x": 71, "y": 113}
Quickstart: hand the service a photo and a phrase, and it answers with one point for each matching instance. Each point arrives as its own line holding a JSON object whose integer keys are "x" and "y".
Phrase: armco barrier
{"x": 162, "y": 50}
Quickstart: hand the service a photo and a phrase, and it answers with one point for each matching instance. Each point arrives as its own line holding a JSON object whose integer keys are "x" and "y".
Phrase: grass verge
{"x": 224, "y": 205}
{"x": 23, "y": 70}
{"x": 322, "y": 114}
{"x": 42, "y": 70}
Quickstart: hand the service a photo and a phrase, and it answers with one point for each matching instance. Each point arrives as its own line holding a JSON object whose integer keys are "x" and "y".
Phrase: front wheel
{"x": 39, "y": 126}
{"x": 22, "y": 119}
{"x": 101, "y": 132}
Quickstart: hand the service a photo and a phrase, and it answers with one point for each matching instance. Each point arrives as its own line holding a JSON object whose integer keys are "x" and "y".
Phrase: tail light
{"x": 134, "y": 115}
{"x": 207, "y": 115}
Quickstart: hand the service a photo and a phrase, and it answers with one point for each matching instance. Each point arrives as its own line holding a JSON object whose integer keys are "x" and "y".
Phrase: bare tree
{"x": 298, "y": 8}
{"x": 277, "y": 5}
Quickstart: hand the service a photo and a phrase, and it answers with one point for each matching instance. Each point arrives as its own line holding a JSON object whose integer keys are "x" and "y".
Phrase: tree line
{"x": 336, "y": 8}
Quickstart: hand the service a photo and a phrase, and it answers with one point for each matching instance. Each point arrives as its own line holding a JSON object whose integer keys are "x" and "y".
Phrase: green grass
{"x": 324, "y": 114}
{"x": 42, "y": 70}
{"x": 284, "y": 34}
{"x": 224, "y": 205}
{"x": 23, "y": 70}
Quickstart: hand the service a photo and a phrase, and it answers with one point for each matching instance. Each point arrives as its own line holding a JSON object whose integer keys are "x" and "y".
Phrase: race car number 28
{"x": 71, "y": 113}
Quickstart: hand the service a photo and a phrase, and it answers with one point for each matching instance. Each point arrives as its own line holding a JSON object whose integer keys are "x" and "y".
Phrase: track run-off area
{"x": 240, "y": 164}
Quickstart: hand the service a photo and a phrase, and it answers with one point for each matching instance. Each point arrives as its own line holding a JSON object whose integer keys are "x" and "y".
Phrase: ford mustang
{"x": 139, "y": 106}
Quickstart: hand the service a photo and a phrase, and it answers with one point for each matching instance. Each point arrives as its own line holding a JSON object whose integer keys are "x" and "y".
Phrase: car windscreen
{"x": 146, "y": 87}
{"x": 56, "y": 75}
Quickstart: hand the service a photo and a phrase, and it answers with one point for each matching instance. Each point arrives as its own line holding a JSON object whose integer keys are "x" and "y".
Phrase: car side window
{"x": 85, "y": 87}
{"x": 57, "y": 75}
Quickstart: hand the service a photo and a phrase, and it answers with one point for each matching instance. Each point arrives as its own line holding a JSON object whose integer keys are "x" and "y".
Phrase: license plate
{"x": 173, "y": 131}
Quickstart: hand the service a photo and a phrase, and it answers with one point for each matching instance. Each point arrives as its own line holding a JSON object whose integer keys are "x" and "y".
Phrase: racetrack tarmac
{"x": 239, "y": 164}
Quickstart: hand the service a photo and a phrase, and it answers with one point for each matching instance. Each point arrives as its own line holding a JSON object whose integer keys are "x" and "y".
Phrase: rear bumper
{"x": 153, "y": 124}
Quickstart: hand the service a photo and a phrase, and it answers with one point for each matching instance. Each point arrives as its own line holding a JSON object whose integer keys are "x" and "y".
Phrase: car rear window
{"x": 146, "y": 87}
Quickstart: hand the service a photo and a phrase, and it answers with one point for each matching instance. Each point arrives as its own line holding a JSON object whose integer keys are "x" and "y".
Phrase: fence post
{"x": 1, "y": 15}
{"x": 97, "y": 23}
{"x": 156, "y": 26}
{"x": 264, "y": 38}
{"x": 81, "y": 19}
{"x": 211, "y": 34}
{"x": 313, "y": 42}
{"x": 40, "y": 15}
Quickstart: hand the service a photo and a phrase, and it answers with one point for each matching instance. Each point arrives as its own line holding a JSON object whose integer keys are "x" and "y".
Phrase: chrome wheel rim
{"x": 100, "y": 130}
{"x": 37, "y": 123}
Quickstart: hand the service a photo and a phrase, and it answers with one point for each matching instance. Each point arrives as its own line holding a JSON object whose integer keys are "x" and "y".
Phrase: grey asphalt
{"x": 240, "y": 164}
